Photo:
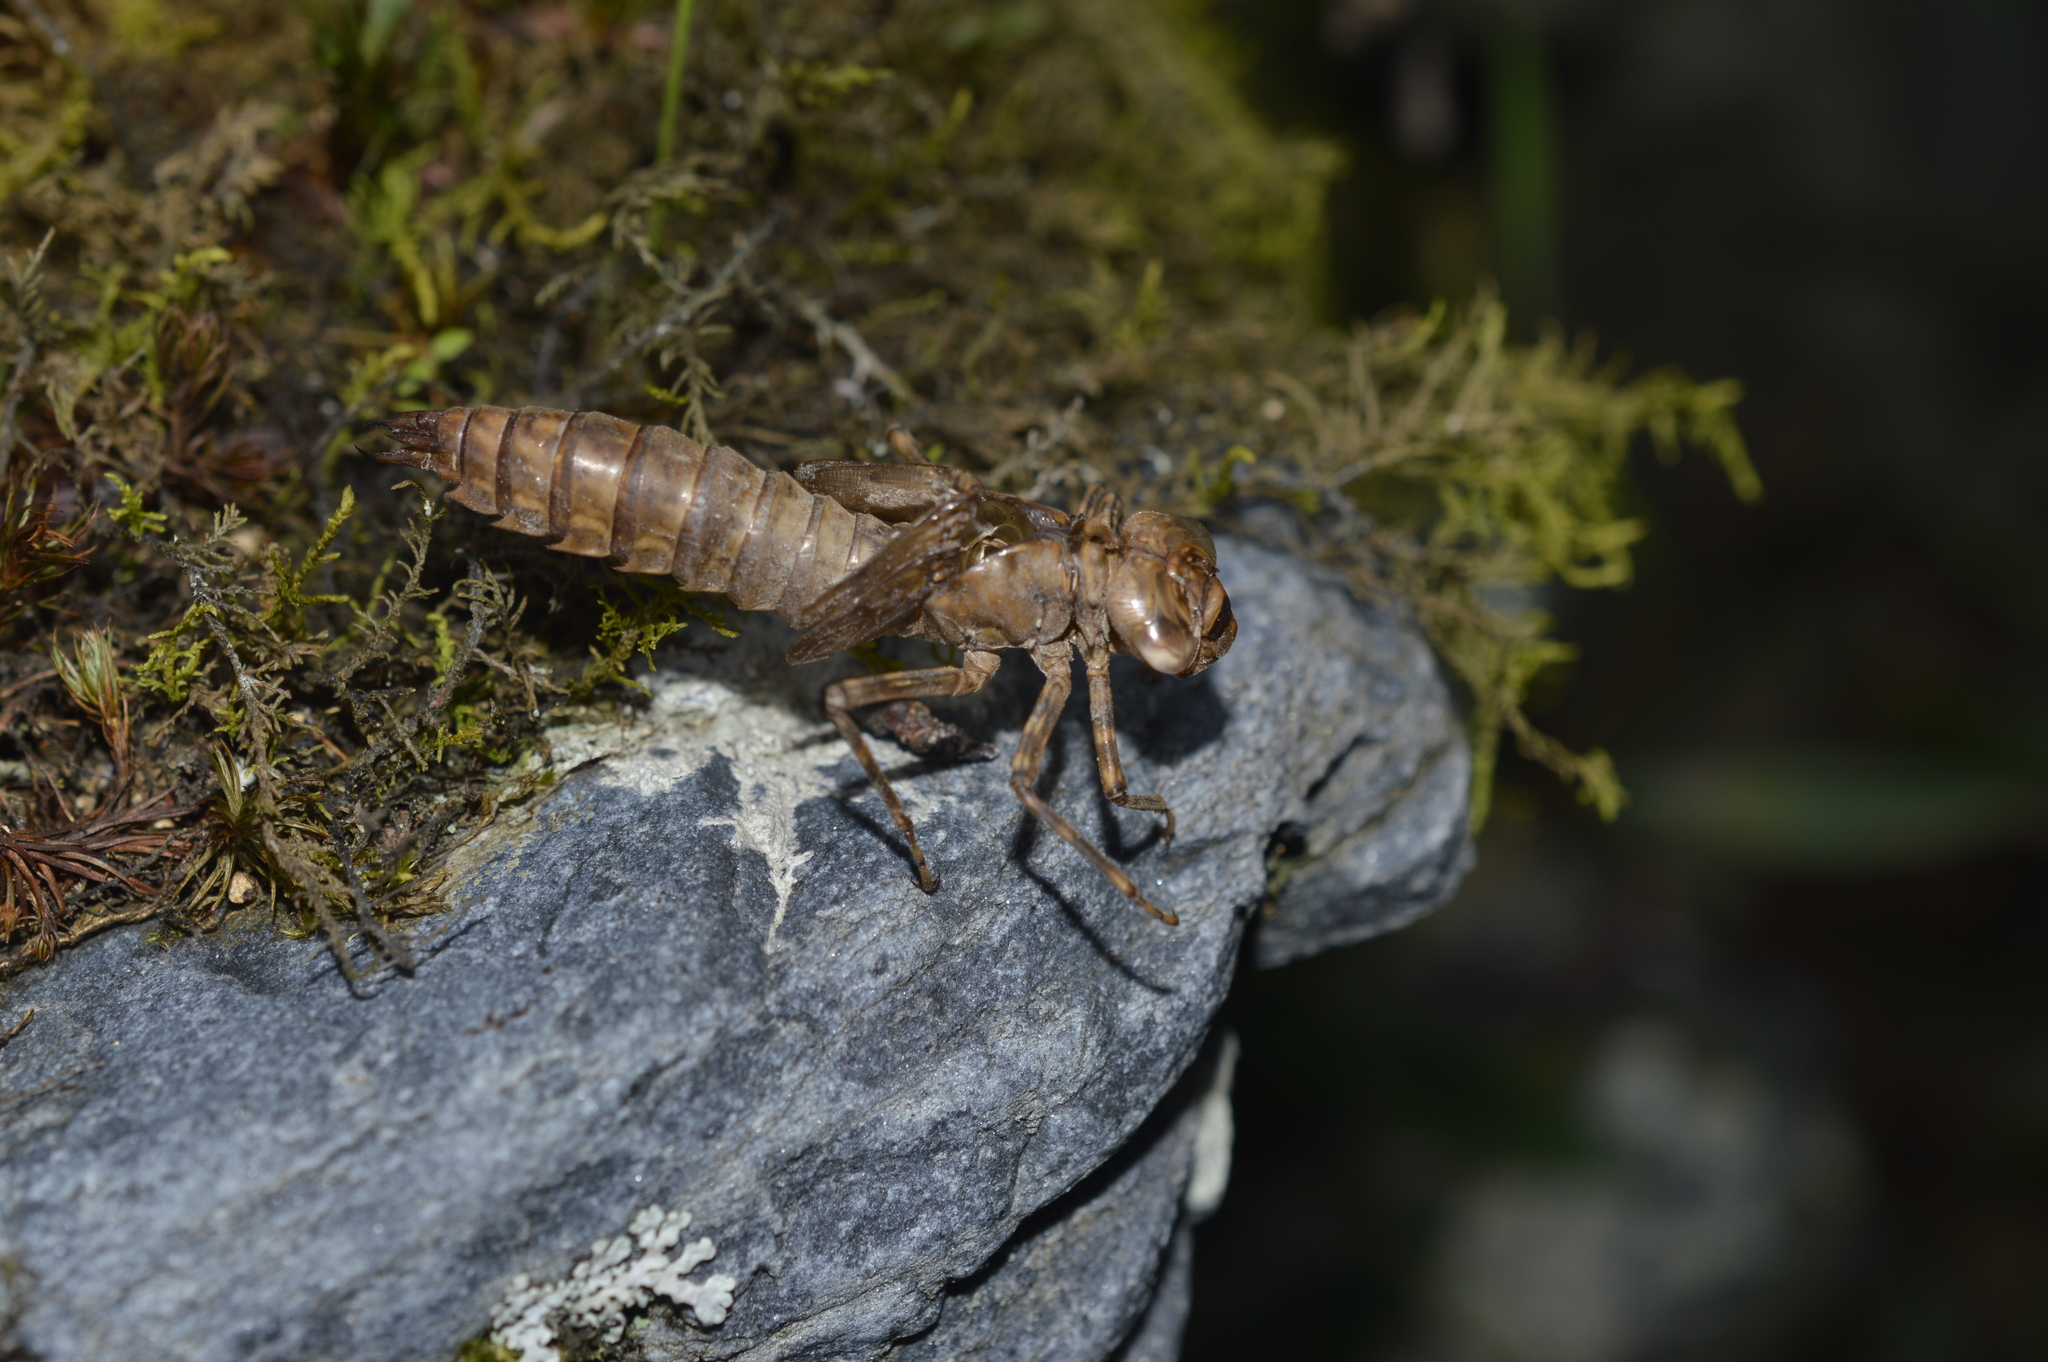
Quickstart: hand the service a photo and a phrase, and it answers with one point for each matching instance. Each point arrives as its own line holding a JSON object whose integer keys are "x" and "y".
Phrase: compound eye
{"x": 1198, "y": 535}
{"x": 1169, "y": 536}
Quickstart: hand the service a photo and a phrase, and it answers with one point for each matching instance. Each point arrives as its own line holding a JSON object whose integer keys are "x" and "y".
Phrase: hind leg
{"x": 858, "y": 692}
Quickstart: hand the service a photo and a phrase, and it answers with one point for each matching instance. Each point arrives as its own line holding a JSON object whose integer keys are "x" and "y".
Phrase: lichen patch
{"x": 621, "y": 1275}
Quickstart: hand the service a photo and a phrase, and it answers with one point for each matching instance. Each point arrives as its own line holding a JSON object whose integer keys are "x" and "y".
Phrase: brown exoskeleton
{"x": 851, "y": 551}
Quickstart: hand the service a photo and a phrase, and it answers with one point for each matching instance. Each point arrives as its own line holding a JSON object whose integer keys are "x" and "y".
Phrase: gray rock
{"x": 1384, "y": 841}
{"x": 699, "y": 976}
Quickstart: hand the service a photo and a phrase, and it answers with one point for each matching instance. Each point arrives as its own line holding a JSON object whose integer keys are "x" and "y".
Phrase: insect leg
{"x": 858, "y": 692}
{"x": 1054, "y": 661}
{"x": 1108, "y": 760}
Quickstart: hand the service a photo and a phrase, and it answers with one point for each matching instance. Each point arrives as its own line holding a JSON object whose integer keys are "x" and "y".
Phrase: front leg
{"x": 1108, "y": 760}
{"x": 858, "y": 692}
{"x": 1053, "y": 659}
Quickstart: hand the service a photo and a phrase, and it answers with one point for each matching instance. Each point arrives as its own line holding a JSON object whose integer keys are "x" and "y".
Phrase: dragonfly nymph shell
{"x": 849, "y": 551}
{"x": 646, "y": 497}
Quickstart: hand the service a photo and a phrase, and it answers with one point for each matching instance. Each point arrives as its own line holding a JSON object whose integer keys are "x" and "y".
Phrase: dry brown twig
{"x": 33, "y": 866}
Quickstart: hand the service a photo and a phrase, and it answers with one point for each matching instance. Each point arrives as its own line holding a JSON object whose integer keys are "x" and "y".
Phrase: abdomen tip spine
{"x": 415, "y": 440}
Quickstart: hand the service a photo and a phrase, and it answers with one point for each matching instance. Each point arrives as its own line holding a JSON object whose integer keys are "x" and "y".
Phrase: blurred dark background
{"x": 1760, "y": 1070}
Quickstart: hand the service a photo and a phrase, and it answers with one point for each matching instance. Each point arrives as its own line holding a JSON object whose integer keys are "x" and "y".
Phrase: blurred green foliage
{"x": 1050, "y": 236}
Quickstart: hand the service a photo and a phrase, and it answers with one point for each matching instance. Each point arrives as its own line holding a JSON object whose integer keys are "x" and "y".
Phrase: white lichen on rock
{"x": 598, "y": 1292}
{"x": 778, "y": 759}
{"x": 768, "y": 826}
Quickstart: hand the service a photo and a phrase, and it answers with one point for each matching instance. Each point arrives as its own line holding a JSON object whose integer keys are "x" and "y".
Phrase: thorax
{"x": 1018, "y": 597}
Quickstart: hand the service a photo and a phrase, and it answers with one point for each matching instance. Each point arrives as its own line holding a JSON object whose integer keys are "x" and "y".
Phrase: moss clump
{"x": 1456, "y": 471}
{"x": 1046, "y": 235}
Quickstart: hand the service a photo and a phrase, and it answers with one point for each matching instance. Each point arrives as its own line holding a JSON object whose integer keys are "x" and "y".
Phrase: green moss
{"x": 1470, "y": 470}
{"x": 653, "y": 610}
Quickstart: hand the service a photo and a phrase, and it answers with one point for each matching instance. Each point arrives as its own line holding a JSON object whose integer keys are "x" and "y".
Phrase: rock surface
{"x": 699, "y": 976}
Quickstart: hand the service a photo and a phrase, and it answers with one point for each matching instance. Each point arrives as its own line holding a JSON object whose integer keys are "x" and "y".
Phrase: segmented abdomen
{"x": 647, "y": 497}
